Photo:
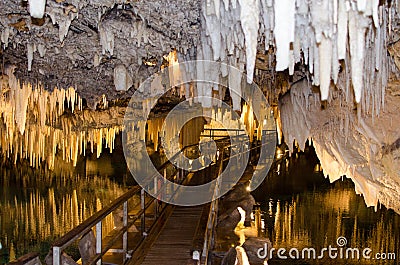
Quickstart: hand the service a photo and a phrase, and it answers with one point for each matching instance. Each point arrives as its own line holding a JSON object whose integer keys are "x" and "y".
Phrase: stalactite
{"x": 357, "y": 28}
{"x": 154, "y": 128}
{"x": 63, "y": 19}
{"x": 36, "y": 8}
{"x": 21, "y": 97}
{"x": 342, "y": 27}
{"x": 5, "y": 35}
{"x": 31, "y": 120}
{"x": 284, "y": 32}
{"x": 106, "y": 39}
{"x": 247, "y": 118}
{"x": 30, "y": 50}
{"x": 122, "y": 78}
{"x": 313, "y": 32}
{"x": 325, "y": 58}
{"x": 249, "y": 19}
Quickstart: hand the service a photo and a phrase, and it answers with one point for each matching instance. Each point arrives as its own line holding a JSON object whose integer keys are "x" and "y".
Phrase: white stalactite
{"x": 284, "y": 31}
{"x": 342, "y": 30}
{"x": 357, "y": 27}
{"x": 325, "y": 59}
{"x": 122, "y": 79}
{"x": 42, "y": 50}
{"x": 30, "y": 50}
{"x": 296, "y": 29}
{"x": 249, "y": 18}
{"x": 36, "y": 8}
{"x": 5, "y": 35}
{"x": 106, "y": 39}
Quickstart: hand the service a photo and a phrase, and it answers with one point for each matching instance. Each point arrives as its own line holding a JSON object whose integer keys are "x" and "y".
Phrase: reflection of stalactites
{"x": 12, "y": 256}
{"x": 31, "y": 218}
{"x": 53, "y": 206}
{"x": 290, "y": 221}
{"x": 98, "y": 205}
{"x": 75, "y": 208}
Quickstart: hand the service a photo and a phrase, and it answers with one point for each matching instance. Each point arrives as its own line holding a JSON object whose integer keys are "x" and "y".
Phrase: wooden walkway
{"x": 174, "y": 243}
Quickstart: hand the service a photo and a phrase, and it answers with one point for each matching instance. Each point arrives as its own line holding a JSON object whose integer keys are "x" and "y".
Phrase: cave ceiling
{"x": 67, "y": 41}
{"x": 341, "y": 67}
{"x": 80, "y": 43}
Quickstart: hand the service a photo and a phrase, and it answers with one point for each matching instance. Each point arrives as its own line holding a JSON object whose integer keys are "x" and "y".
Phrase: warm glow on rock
{"x": 34, "y": 128}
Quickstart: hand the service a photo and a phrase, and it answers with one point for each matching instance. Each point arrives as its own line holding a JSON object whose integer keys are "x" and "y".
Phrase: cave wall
{"x": 346, "y": 99}
{"x": 348, "y": 142}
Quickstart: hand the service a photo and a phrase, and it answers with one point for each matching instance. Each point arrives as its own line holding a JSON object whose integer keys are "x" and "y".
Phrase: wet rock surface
{"x": 253, "y": 245}
{"x": 230, "y": 257}
{"x": 228, "y": 220}
{"x": 238, "y": 197}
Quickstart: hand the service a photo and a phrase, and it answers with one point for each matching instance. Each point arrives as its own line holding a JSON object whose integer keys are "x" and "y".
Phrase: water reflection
{"x": 301, "y": 209}
{"x": 38, "y": 206}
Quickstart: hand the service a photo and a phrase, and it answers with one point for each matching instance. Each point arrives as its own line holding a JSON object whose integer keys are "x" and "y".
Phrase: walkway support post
{"x": 125, "y": 235}
{"x": 142, "y": 207}
{"x": 99, "y": 236}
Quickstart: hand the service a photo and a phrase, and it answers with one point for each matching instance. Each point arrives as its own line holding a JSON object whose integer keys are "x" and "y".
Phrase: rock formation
{"x": 330, "y": 65}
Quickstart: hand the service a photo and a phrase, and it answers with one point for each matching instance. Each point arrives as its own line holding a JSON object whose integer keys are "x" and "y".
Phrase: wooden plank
{"x": 174, "y": 244}
{"x": 144, "y": 246}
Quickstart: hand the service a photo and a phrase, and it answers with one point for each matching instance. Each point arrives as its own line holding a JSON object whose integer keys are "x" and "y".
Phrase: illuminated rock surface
{"x": 100, "y": 52}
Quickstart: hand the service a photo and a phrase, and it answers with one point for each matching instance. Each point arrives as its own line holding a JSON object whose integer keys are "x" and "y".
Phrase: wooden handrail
{"x": 96, "y": 219}
{"x": 30, "y": 257}
{"x": 86, "y": 225}
{"x": 213, "y": 213}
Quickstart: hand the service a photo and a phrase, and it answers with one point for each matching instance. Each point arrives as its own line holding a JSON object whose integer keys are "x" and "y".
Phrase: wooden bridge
{"x": 152, "y": 231}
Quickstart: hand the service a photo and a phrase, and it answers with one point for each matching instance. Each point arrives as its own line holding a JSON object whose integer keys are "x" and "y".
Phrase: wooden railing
{"x": 209, "y": 234}
{"x": 96, "y": 220}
